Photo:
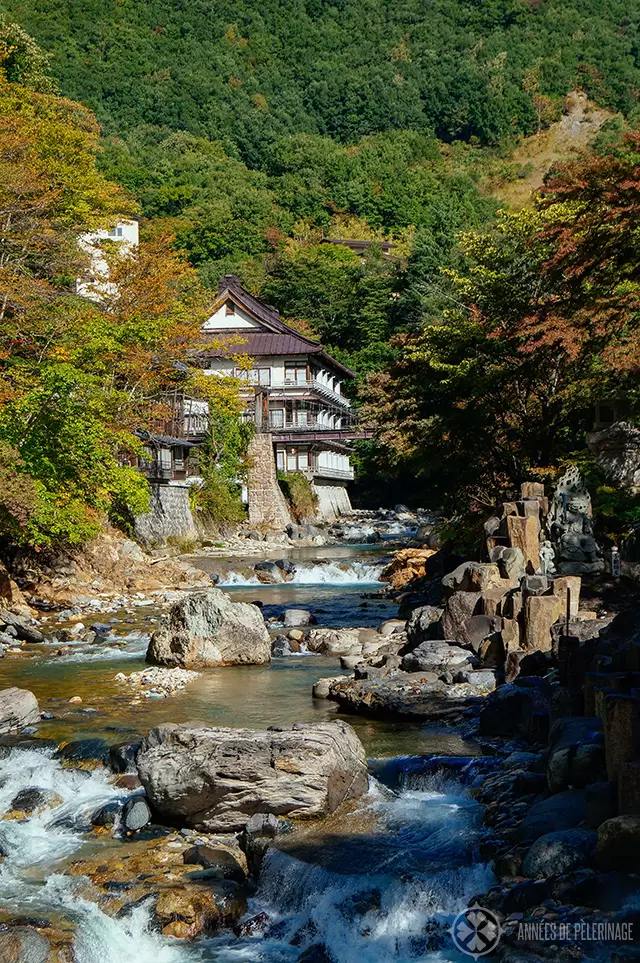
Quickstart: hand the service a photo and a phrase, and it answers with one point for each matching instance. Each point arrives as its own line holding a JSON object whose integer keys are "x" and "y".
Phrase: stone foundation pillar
{"x": 267, "y": 504}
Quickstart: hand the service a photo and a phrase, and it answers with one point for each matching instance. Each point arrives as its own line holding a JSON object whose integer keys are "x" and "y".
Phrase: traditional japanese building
{"x": 295, "y": 391}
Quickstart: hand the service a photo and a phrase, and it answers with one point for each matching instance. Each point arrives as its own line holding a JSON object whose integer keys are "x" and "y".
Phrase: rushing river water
{"x": 379, "y": 883}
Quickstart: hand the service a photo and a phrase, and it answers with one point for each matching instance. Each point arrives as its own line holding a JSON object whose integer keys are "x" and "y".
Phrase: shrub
{"x": 218, "y": 499}
{"x": 301, "y": 497}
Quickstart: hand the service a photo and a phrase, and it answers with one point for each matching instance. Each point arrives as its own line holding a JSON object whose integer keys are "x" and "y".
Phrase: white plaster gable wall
{"x": 221, "y": 321}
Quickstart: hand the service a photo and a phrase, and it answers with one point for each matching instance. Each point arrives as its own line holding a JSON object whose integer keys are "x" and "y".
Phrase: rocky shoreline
{"x": 507, "y": 655}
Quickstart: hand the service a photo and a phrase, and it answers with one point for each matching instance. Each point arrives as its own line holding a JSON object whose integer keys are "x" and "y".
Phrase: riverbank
{"x": 379, "y": 876}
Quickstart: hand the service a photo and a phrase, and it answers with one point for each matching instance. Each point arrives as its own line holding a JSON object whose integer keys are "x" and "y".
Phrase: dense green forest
{"x": 244, "y": 137}
{"x": 251, "y": 131}
{"x": 248, "y": 73}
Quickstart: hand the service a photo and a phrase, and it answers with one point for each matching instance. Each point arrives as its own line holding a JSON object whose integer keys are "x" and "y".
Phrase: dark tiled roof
{"x": 257, "y": 343}
{"x": 230, "y": 284}
{"x": 279, "y": 339}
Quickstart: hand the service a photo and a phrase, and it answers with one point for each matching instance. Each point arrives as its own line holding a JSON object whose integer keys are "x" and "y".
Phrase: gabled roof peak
{"x": 270, "y": 318}
{"x": 231, "y": 283}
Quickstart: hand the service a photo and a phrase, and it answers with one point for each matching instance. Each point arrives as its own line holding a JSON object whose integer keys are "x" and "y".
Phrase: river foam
{"x": 329, "y": 573}
{"x": 389, "y": 893}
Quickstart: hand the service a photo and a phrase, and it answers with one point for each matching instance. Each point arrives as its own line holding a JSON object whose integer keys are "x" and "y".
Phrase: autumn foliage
{"x": 538, "y": 321}
{"x": 76, "y": 373}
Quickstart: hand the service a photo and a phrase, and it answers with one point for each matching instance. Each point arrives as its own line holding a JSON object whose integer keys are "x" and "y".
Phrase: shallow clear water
{"x": 414, "y": 847}
{"x": 254, "y": 696}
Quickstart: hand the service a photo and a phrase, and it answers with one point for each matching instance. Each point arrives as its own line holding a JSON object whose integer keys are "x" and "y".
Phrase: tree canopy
{"x": 250, "y": 73}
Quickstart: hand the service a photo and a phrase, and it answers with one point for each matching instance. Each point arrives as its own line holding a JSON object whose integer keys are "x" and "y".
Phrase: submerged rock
{"x": 216, "y": 778}
{"x": 34, "y": 799}
{"x": 18, "y": 708}
{"x": 85, "y": 753}
{"x": 208, "y": 629}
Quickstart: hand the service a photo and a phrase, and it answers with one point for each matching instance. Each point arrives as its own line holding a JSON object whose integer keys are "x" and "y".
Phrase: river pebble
{"x": 157, "y": 682}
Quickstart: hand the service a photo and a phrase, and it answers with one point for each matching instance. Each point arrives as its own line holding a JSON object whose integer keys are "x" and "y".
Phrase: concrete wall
{"x": 169, "y": 515}
{"x": 267, "y": 504}
{"x": 333, "y": 499}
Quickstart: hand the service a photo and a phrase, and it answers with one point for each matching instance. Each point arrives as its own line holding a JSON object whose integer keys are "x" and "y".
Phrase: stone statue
{"x": 547, "y": 558}
{"x": 571, "y": 528}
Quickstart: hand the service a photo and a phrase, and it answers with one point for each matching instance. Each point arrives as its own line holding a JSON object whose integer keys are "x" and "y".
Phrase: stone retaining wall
{"x": 267, "y": 504}
{"x": 169, "y": 515}
{"x": 333, "y": 500}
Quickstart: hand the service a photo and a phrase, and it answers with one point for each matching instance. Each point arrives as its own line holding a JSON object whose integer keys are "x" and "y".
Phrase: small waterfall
{"x": 53, "y": 832}
{"x": 130, "y": 646}
{"x": 329, "y": 573}
{"x": 388, "y": 894}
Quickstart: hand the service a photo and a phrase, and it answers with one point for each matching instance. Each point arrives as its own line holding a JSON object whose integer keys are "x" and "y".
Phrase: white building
{"x": 294, "y": 390}
{"x": 96, "y": 281}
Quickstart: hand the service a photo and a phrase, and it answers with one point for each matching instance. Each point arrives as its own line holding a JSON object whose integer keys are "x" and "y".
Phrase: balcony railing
{"x": 311, "y": 424}
{"x": 288, "y": 384}
{"x": 312, "y": 384}
{"x": 338, "y": 473}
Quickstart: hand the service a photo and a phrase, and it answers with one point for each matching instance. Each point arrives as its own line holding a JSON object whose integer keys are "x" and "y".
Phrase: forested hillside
{"x": 248, "y": 72}
{"x": 251, "y": 131}
{"x": 246, "y": 135}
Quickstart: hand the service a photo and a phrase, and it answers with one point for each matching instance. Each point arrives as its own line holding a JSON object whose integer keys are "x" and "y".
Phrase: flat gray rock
{"x": 18, "y": 708}
{"x": 214, "y": 779}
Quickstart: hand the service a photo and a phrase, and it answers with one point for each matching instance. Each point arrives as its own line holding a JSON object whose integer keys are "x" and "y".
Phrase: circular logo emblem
{"x": 476, "y": 931}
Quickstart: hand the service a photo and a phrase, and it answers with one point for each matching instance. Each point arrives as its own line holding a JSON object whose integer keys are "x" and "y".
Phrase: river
{"x": 378, "y": 883}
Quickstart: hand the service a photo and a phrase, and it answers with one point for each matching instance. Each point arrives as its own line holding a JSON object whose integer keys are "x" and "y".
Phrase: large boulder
{"x": 436, "y": 657}
{"x": 561, "y": 852}
{"x": 576, "y": 753}
{"x": 408, "y": 565}
{"x": 563, "y": 811}
{"x": 474, "y": 577}
{"x": 422, "y": 625}
{"x": 511, "y": 710}
{"x": 208, "y": 629}
{"x": 18, "y": 708}
{"x": 334, "y": 641}
{"x": 23, "y": 628}
{"x": 541, "y": 612}
{"x": 619, "y": 844}
{"x": 214, "y": 779}
{"x": 10, "y": 595}
{"x": 459, "y": 608}
{"x": 403, "y": 695}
